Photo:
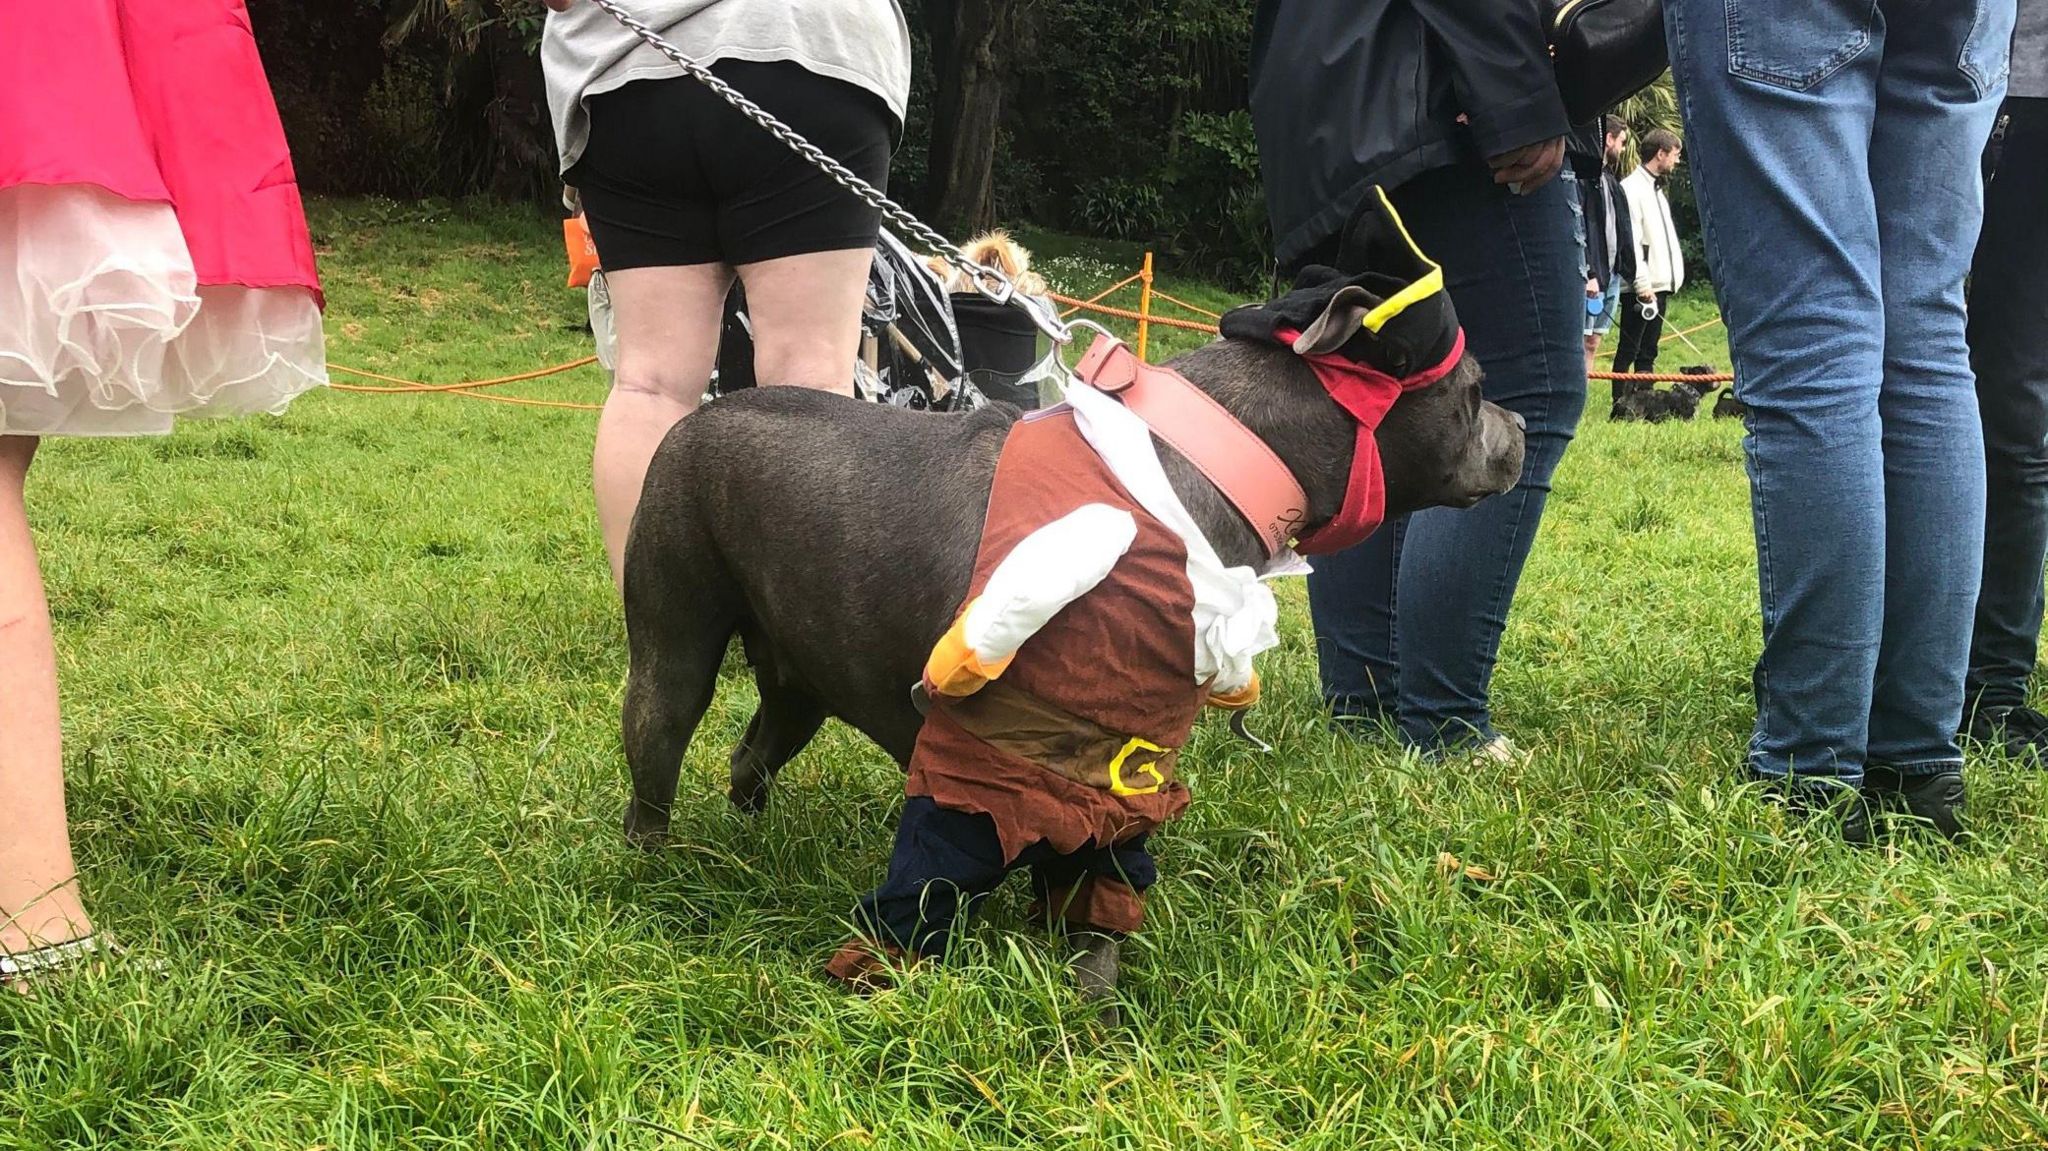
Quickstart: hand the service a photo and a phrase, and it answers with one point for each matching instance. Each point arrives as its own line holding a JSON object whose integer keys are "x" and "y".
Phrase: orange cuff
{"x": 865, "y": 968}
{"x": 1093, "y": 903}
{"x": 953, "y": 668}
{"x": 1238, "y": 700}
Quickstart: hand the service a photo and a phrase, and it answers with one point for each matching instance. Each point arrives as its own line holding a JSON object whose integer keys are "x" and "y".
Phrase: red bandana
{"x": 1365, "y": 393}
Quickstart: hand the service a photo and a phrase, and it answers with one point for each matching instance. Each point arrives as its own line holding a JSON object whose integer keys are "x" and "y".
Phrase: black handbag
{"x": 1605, "y": 51}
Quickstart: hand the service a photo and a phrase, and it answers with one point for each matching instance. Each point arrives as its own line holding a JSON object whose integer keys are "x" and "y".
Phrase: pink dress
{"x": 154, "y": 258}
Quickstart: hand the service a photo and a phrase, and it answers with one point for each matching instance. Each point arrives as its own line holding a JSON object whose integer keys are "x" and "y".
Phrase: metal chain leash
{"x": 989, "y": 282}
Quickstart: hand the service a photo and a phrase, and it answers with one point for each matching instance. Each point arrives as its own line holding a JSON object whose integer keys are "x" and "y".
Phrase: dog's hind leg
{"x": 785, "y": 721}
{"x": 681, "y": 611}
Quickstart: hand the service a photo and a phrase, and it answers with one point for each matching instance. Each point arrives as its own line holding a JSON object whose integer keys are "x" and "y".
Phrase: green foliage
{"x": 1125, "y": 121}
{"x": 411, "y": 97}
{"x": 341, "y": 744}
{"x": 1133, "y": 119}
{"x": 1653, "y": 107}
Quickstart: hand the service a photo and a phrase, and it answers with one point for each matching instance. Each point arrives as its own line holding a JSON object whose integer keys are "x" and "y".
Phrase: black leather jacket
{"x": 1351, "y": 93}
{"x": 1600, "y": 195}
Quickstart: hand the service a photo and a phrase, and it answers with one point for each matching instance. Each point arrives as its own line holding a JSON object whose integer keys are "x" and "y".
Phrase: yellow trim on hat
{"x": 1429, "y": 284}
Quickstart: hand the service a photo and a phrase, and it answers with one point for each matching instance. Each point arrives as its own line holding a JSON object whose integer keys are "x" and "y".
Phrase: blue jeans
{"x": 1610, "y": 307}
{"x": 947, "y": 861}
{"x": 1513, "y": 268}
{"x": 2009, "y": 349}
{"x": 1834, "y": 146}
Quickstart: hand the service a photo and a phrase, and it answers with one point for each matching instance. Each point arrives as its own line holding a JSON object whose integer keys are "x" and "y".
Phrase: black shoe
{"x": 1935, "y": 799}
{"x": 1807, "y": 799}
{"x": 2021, "y": 732}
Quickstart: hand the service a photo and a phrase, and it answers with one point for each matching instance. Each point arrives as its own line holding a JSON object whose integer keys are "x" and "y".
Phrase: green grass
{"x": 341, "y": 692}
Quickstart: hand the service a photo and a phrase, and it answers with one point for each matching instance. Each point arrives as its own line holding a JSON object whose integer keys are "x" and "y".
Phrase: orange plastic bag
{"x": 582, "y": 252}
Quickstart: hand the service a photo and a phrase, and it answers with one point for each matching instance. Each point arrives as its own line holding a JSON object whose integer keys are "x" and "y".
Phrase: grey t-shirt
{"x": 2030, "y": 51}
{"x": 584, "y": 51}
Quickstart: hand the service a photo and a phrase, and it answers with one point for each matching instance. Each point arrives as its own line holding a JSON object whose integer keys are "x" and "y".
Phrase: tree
{"x": 1654, "y": 107}
{"x": 972, "y": 42}
{"x": 496, "y": 135}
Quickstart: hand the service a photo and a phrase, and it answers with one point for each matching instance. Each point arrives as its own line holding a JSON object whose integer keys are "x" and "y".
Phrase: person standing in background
{"x": 1660, "y": 263}
{"x": 684, "y": 194}
{"x": 1609, "y": 235}
{"x": 2008, "y": 334}
{"x": 1835, "y": 151}
{"x": 1453, "y": 108}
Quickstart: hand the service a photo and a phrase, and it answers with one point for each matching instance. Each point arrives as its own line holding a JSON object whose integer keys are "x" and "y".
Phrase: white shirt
{"x": 1660, "y": 263}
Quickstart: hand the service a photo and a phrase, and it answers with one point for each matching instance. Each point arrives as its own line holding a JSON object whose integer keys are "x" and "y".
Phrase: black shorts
{"x": 673, "y": 175}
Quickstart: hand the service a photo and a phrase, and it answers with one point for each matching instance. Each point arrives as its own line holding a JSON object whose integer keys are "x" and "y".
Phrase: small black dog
{"x": 1655, "y": 407}
{"x": 1642, "y": 402}
{"x": 1728, "y": 407}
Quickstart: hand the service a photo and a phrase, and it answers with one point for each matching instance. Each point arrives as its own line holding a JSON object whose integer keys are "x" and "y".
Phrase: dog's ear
{"x": 1341, "y": 319}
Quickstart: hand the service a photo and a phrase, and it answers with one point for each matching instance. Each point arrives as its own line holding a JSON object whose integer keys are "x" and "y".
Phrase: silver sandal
{"x": 28, "y": 966}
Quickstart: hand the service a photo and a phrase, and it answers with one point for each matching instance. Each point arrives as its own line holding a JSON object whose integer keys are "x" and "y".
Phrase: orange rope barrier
{"x": 1185, "y": 306}
{"x": 524, "y": 401}
{"x": 471, "y": 389}
{"x": 1127, "y": 314}
{"x": 431, "y": 391}
{"x": 1126, "y": 282}
{"x": 405, "y": 385}
{"x": 415, "y": 387}
{"x": 1661, "y": 377}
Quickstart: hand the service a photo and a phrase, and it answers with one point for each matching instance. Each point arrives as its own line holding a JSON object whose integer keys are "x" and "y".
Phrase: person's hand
{"x": 1528, "y": 167}
{"x": 1647, "y": 297}
{"x": 559, "y": 5}
{"x": 1592, "y": 286}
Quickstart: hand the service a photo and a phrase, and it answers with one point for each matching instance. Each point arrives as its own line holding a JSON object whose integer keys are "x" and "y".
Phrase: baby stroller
{"x": 922, "y": 347}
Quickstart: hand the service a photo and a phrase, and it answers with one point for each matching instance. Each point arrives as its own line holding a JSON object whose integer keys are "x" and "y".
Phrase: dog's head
{"x": 1698, "y": 389}
{"x": 1440, "y": 444}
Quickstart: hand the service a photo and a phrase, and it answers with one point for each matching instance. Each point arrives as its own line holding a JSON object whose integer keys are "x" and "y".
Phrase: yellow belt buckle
{"x": 1117, "y": 786}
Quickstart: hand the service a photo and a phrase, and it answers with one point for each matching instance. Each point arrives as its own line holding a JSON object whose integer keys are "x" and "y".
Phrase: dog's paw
{"x": 644, "y": 829}
{"x": 748, "y": 790}
{"x": 1097, "y": 966}
{"x": 1096, "y": 969}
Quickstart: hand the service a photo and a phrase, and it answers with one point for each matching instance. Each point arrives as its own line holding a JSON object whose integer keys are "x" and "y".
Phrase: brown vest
{"x": 1076, "y": 741}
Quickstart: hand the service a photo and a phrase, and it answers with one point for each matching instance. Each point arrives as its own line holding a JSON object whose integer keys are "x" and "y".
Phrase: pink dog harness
{"x": 1248, "y": 472}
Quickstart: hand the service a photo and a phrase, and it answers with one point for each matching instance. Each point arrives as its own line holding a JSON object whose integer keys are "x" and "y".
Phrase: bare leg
{"x": 806, "y": 315}
{"x": 667, "y": 323}
{"x": 39, "y": 902}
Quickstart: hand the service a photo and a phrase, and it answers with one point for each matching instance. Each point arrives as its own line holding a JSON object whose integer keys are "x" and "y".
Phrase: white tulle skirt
{"x": 105, "y": 330}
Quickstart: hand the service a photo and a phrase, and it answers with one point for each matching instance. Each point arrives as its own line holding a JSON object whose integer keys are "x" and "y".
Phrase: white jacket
{"x": 1660, "y": 264}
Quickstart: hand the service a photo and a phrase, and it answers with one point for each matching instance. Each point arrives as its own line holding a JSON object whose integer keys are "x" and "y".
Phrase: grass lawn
{"x": 341, "y": 694}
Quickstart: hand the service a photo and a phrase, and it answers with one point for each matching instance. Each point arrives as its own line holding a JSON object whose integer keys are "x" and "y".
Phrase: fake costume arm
{"x": 1047, "y": 570}
{"x": 1238, "y": 699}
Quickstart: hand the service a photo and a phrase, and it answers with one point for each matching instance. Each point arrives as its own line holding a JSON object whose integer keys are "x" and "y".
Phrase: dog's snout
{"x": 1521, "y": 425}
